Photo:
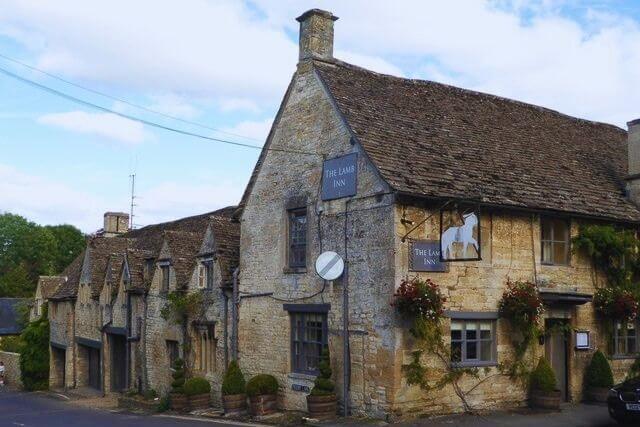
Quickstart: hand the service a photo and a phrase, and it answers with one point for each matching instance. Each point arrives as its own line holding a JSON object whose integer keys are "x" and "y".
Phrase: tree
{"x": 34, "y": 355}
{"x": 28, "y": 251}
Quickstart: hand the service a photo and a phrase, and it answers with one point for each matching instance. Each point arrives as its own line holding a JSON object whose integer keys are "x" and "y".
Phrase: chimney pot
{"x": 115, "y": 223}
{"x": 316, "y": 34}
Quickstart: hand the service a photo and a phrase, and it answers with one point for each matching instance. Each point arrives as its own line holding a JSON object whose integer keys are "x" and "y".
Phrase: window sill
{"x": 294, "y": 270}
{"x": 474, "y": 364}
{"x": 545, "y": 264}
{"x": 624, "y": 356}
{"x": 302, "y": 377}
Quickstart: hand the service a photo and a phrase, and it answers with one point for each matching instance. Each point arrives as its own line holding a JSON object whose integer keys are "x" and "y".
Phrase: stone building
{"x": 107, "y": 328}
{"x": 362, "y": 164}
{"x": 46, "y": 287}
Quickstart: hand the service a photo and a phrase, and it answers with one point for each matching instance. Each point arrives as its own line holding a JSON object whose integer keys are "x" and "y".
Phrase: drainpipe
{"x": 225, "y": 323}
{"x": 74, "y": 347}
{"x": 234, "y": 316}
{"x": 127, "y": 356}
{"x": 143, "y": 338}
{"x": 346, "y": 362}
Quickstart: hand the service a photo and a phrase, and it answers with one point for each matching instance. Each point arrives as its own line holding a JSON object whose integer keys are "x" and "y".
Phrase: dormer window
{"x": 205, "y": 274}
{"x": 164, "y": 277}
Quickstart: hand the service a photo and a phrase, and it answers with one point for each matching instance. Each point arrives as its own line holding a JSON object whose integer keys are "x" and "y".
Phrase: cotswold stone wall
{"x": 309, "y": 123}
{"x": 511, "y": 250}
{"x": 11, "y": 368}
{"x": 61, "y": 326}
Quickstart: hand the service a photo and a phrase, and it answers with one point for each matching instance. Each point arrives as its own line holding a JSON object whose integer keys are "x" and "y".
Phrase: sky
{"x": 222, "y": 67}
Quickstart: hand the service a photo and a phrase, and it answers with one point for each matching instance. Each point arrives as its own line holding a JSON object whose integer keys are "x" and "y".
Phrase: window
{"x": 205, "y": 274}
{"x": 625, "y": 339}
{"x": 308, "y": 338}
{"x": 164, "y": 277}
{"x": 207, "y": 351}
{"x": 298, "y": 238}
{"x": 473, "y": 342}
{"x": 555, "y": 241}
{"x": 173, "y": 351}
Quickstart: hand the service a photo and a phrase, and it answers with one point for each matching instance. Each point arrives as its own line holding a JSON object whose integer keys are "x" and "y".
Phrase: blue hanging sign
{"x": 339, "y": 177}
{"x": 425, "y": 256}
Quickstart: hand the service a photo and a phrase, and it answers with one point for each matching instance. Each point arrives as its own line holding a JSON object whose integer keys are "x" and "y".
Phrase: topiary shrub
{"x": 177, "y": 385}
{"x": 543, "y": 378}
{"x": 323, "y": 386}
{"x": 262, "y": 384}
{"x": 599, "y": 372}
{"x": 233, "y": 382}
{"x": 196, "y": 385}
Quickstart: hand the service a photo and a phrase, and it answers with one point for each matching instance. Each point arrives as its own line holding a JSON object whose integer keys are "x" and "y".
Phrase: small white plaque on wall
{"x": 583, "y": 340}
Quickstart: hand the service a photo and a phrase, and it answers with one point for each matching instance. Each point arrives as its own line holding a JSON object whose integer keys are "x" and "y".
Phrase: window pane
{"x": 471, "y": 333}
{"x": 486, "y": 348}
{"x": 546, "y": 253}
{"x": 559, "y": 253}
{"x": 560, "y": 230}
{"x": 485, "y": 330}
{"x": 472, "y": 350}
{"x": 297, "y": 237}
{"x": 546, "y": 228}
{"x": 456, "y": 351}
{"x": 456, "y": 330}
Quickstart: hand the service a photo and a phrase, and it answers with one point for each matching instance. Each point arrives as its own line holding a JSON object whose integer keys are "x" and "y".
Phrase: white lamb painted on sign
{"x": 462, "y": 234}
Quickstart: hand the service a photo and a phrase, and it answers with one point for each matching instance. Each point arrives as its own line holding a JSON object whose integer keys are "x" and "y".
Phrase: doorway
{"x": 93, "y": 356}
{"x": 556, "y": 351}
{"x": 58, "y": 368}
{"x": 118, "y": 346}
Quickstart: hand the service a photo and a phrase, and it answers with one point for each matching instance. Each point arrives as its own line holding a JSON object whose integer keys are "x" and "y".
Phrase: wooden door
{"x": 556, "y": 352}
{"x": 118, "y": 363}
{"x": 94, "y": 367}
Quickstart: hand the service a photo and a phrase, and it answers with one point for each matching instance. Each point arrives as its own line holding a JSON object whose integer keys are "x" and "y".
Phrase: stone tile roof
{"x": 9, "y": 314}
{"x": 438, "y": 141}
{"x": 69, "y": 289}
{"x": 49, "y": 284}
{"x": 226, "y": 234}
{"x": 184, "y": 236}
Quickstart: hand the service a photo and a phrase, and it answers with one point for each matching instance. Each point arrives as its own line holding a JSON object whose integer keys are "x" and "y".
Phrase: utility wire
{"x": 124, "y": 101}
{"x": 139, "y": 120}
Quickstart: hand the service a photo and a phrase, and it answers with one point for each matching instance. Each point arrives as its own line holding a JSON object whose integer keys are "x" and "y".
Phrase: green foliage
{"x": 233, "y": 381}
{"x": 12, "y": 344}
{"x": 196, "y": 385}
{"x": 262, "y": 384}
{"x": 164, "y": 404}
{"x": 634, "y": 370}
{"x": 28, "y": 250}
{"x": 177, "y": 385}
{"x": 612, "y": 250}
{"x": 323, "y": 386}
{"x": 149, "y": 394}
{"x": 599, "y": 372}
{"x": 543, "y": 378}
{"x": 34, "y": 357}
{"x": 182, "y": 306}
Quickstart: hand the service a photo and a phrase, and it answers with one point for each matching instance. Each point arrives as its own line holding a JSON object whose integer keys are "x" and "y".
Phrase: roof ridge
{"x": 340, "y": 63}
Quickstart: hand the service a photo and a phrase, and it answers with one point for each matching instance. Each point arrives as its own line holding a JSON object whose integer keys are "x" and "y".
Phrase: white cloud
{"x": 256, "y": 130}
{"x": 47, "y": 202}
{"x": 238, "y": 104}
{"x": 173, "y": 105}
{"x": 104, "y": 125}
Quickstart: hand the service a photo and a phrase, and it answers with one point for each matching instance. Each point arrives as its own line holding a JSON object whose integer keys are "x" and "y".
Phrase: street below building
{"x": 19, "y": 409}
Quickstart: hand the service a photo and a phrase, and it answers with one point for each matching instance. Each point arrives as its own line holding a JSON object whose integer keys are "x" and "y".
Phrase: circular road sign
{"x": 329, "y": 265}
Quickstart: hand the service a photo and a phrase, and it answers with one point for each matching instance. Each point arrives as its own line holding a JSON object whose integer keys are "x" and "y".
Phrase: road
{"x": 39, "y": 410}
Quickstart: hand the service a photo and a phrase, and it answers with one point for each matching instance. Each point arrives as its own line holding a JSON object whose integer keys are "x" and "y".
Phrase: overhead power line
{"x": 124, "y": 101}
{"x": 139, "y": 120}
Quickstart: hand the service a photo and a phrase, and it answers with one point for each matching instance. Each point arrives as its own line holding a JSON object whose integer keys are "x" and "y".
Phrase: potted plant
{"x": 543, "y": 393}
{"x": 322, "y": 402}
{"x": 262, "y": 391}
{"x": 234, "y": 399}
{"x": 197, "y": 390}
{"x": 599, "y": 378}
{"x": 177, "y": 397}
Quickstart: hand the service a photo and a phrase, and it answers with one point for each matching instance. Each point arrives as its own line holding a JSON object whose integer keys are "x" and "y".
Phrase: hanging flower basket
{"x": 417, "y": 298}
{"x": 521, "y": 304}
{"x": 616, "y": 303}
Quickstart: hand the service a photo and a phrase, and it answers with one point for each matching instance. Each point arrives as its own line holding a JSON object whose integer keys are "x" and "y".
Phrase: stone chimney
{"x": 316, "y": 34}
{"x": 115, "y": 223}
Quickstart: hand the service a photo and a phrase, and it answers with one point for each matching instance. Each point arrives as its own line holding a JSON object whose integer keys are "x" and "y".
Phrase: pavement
{"x": 19, "y": 409}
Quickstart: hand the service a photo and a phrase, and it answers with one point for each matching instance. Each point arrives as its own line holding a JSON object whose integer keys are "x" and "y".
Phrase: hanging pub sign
{"x": 425, "y": 256}
{"x": 460, "y": 234}
{"x": 339, "y": 177}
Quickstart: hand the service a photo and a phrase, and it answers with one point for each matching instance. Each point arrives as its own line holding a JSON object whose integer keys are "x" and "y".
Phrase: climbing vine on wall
{"x": 180, "y": 307}
{"x": 422, "y": 303}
